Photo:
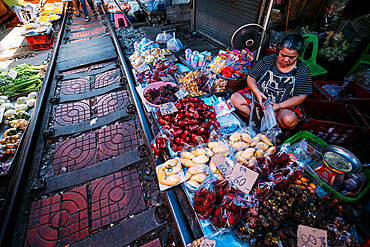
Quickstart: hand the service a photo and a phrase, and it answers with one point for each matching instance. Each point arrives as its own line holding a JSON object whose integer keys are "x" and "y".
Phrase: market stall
{"x": 244, "y": 188}
{"x": 18, "y": 97}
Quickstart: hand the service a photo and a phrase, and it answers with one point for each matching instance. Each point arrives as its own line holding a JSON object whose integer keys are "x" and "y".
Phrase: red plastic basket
{"x": 334, "y": 123}
{"x": 360, "y": 96}
{"x": 41, "y": 42}
{"x": 356, "y": 91}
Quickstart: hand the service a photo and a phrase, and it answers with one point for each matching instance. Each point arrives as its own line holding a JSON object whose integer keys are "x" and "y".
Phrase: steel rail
{"x": 28, "y": 143}
{"x": 182, "y": 227}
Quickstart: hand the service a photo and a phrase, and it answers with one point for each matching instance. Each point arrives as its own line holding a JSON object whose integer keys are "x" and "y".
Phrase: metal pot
{"x": 355, "y": 164}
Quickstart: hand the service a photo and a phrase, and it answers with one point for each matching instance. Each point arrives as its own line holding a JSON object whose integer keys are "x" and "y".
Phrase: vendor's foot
{"x": 95, "y": 12}
{"x": 87, "y": 19}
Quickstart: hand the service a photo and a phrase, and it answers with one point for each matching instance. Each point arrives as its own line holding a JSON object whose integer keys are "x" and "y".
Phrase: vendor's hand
{"x": 275, "y": 106}
{"x": 260, "y": 96}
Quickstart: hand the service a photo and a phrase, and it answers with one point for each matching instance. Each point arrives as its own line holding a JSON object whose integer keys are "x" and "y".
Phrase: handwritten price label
{"x": 166, "y": 78}
{"x": 142, "y": 68}
{"x": 311, "y": 237}
{"x": 243, "y": 178}
{"x": 181, "y": 93}
{"x": 168, "y": 108}
{"x": 222, "y": 164}
{"x": 208, "y": 243}
{"x": 12, "y": 73}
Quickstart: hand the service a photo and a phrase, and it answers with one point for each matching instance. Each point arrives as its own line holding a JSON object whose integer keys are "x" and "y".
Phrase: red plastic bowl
{"x": 156, "y": 85}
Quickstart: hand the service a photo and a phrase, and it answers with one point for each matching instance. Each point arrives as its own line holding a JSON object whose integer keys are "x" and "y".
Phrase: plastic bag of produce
{"x": 174, "y": 44}
{"x": 162, "y": 38}
{"x": 160, "y": 142}
{"x": 228, "y": 212}
{"x": 195, "y": 175}
{"x": 205, "y": 199}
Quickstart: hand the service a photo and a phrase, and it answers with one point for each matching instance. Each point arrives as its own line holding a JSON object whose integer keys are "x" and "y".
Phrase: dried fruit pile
{"x": 163, "y": 94}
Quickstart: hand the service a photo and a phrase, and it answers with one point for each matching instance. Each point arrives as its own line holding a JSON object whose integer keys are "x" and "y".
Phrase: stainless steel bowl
{"x": 356, "y": 164}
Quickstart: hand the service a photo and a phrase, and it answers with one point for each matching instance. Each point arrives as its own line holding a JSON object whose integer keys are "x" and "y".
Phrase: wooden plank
{"x": 86, "y": 60}
{"x": 74, "y": 54}
{"x": 86, "y": 43}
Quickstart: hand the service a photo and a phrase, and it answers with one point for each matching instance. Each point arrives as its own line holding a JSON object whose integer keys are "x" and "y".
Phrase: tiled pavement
{"x": 71, "y": 215}
{"x": 59, "y": 220}
{"x": 115, "y": 197}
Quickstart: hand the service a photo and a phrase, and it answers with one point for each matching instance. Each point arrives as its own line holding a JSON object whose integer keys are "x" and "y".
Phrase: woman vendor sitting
{"x": 283, "y": 78}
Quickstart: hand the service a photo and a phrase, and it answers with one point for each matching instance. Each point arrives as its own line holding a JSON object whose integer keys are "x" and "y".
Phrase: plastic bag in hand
{"x": 269, "y": 118}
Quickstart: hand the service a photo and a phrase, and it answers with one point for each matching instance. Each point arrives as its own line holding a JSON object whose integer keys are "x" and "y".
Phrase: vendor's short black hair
{"x": 292, "y": 42}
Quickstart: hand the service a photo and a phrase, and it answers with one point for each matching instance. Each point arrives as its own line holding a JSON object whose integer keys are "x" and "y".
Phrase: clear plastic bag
{"x": 228, "y": 212}
{"x": 163, "y": 38}
{"x": 205, "y": 199}
{"x": 174, "y": 44}
{"x": 160, "y": 142}
{"x": 269, "y": 118}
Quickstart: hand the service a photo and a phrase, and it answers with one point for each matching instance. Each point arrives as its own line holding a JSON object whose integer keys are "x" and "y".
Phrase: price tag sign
{"x": 168, "y": 108}
{"x": 142, "y": 68}
{"x": 12, "y": 73}
{"x": 311, "y": 237}
{"x": 208, "y": 243}
{"x": 222, "y": 164}
{"x": 181, "y": 93}
{"x": 243, "y": 178}
{"x": 166, "y": 78}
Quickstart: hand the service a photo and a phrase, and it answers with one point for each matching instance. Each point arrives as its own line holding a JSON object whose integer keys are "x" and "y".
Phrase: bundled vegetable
{"x": 28, "y": 78}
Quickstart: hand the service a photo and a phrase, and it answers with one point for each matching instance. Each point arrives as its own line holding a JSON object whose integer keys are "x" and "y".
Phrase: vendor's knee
{"x": 289, "y": 121}
{"x": 235, "y": 100}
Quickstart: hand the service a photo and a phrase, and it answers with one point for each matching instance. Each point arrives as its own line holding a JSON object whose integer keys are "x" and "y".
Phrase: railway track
{"x": 85, "y": 175}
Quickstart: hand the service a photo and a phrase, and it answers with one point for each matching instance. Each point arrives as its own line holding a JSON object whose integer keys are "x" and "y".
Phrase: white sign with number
{"x": 181, "y": 93}
{"x": 168, "y": 108}
{"x": 142, "y": 68}
{"x": 166, "y": 78}
{"x": 243, "y": 178}
{"x": 222, "y": 164}
{"x": 12, "y": 73}
{"x": 311, "y": 237}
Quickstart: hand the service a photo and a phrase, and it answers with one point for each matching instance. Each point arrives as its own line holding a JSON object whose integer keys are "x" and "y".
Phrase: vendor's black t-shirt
{"x": 302, "y": 77}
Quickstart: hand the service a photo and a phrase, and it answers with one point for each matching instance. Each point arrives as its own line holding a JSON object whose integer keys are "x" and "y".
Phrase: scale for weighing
{"x": 334, "y": 173}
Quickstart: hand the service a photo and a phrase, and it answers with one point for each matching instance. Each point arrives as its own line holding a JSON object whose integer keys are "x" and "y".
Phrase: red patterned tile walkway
{"x": 112, "y": 102}
{"x": 75, "y": 86}
{"x": 89, "y": 32}
{"x": 115, "y": 197}
{"x": 155, "y": 243}
{"x": 107, "y": 78}
{"x": 72, "y": 113}
{"x": 60, "y": 220}
{"x": 75, "y": 154}
{"x": 117, "y": 139}
{"x": 85, "y": 26}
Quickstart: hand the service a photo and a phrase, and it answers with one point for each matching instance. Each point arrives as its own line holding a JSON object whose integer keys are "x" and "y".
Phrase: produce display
{"x": 28, "y": 78}
{"x": 198, "y": 82}
{"x": 192, "y": 123}
{"x": 232, "y": 64}
{"x": 16, "y": 120}
{"x": 156, "y": 70}
{"x": 281, "y": 195}
{"x": 113, "y": 8}
{"x": 163, "y": 94}
{"x": 169, "y": 173}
